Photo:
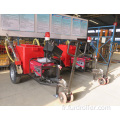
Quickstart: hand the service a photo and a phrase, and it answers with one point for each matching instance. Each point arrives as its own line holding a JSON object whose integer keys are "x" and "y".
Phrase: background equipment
{"x": 103, "y": 44}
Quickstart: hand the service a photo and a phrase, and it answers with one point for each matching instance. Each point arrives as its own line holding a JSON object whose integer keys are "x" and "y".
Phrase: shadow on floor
{"x": 26, "y": 78}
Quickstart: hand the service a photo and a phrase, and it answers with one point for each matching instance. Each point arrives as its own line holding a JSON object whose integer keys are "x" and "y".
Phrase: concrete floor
{"x": 86, "y": 91}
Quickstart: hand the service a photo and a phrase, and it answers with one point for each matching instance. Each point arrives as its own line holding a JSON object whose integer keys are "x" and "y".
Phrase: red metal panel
{"x": 81, "y": 60}
{"x": 65, "y": 57}
{"x": 34, "y": 64}
{"x": 26, "y": 52}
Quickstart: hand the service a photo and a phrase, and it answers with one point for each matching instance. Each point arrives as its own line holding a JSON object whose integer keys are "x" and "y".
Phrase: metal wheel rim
{"x": 12, "y": 73}
{"x": 62, "y": 97}
{"x": 102, "y": 81}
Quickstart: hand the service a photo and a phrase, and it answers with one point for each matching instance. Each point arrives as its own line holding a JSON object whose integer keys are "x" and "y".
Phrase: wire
{"x": 8, "y": 52}
{"x": 36, "y": 40}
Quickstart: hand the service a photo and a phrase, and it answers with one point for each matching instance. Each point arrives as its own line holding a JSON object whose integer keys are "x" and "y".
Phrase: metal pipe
{"x": 111, "y": 52}
{"x": 85, "y": 48}
{"x": 73, "y": 68}
{"x": 11, "y": 46}
{"x": 100, "y": 27}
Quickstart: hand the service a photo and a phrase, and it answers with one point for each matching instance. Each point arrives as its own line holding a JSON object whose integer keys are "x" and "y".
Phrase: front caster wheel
{"x": 63, "y": 97}
{"x": 70, "y": 98}
{"x": 102, "y": 81}
{"x": 107, "y": 80}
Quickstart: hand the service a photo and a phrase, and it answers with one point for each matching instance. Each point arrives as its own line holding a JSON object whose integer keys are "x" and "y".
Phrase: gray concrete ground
{"x": 86, "y": 91}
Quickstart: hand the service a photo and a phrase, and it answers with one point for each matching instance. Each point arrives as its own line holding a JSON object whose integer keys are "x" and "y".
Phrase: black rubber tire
{"x": 15, "y": 78}
{"x": 102, "y": 81}
{"x": 70, "y": 98}
{"x": 107, "y": 81}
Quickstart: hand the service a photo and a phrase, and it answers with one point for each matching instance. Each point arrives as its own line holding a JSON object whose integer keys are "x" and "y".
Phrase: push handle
{"x": 6, "y": 35}
{"x": 69, "y": 47}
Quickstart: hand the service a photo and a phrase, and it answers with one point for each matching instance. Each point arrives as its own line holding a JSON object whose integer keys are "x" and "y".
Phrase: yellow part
{"x": 28, "y": 42}
{"x": 4, "y": 60}
{"x": 115, "y": 46}
{"x": 36, "y": 40}
{"x": 2, "y": 42}
{"x": 22, "y": 42}
{"x": 8, "y": 52}
{"x": 44, "y": 42}
{"x": 67, "y": 42}
{"x": 14, "y": 42}
{"x": 118, "y": 46}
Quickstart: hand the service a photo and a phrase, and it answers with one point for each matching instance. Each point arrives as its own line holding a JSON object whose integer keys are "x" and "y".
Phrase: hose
{"x": 67, "y": 42}
{"x": 36, "y": 40}
{"x": 44, "y": 43}
{"x": 8, "y": 52}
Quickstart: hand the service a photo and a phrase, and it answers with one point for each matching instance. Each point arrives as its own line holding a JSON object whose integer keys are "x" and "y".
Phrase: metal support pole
{"x": 73, "y": 67}
{"x": 57, "y": 90}
{"x": 97, "y": 42}
{"x": 85, "y": 48}
{"x": 111, "y": 51}
{"x": 18, "y": 41}
{"x": 112, "y": 40}
{"x": 58, "y": 72}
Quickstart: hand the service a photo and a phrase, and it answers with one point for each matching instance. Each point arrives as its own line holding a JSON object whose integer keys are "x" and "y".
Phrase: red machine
{"x": 29, "y": 59}
{"x": 65, "y": 58}
{"x": 26, "y": 52}
{"x": 35, "y": 66}
{"x": 82, "y": 62}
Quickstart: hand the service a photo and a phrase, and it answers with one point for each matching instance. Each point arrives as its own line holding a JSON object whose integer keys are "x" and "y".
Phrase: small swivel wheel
{"x": 107, "y": 80}
{"x": 70, "y": 97}
{"x": 103, "y": 81}
{"x": 65, "y": 98}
